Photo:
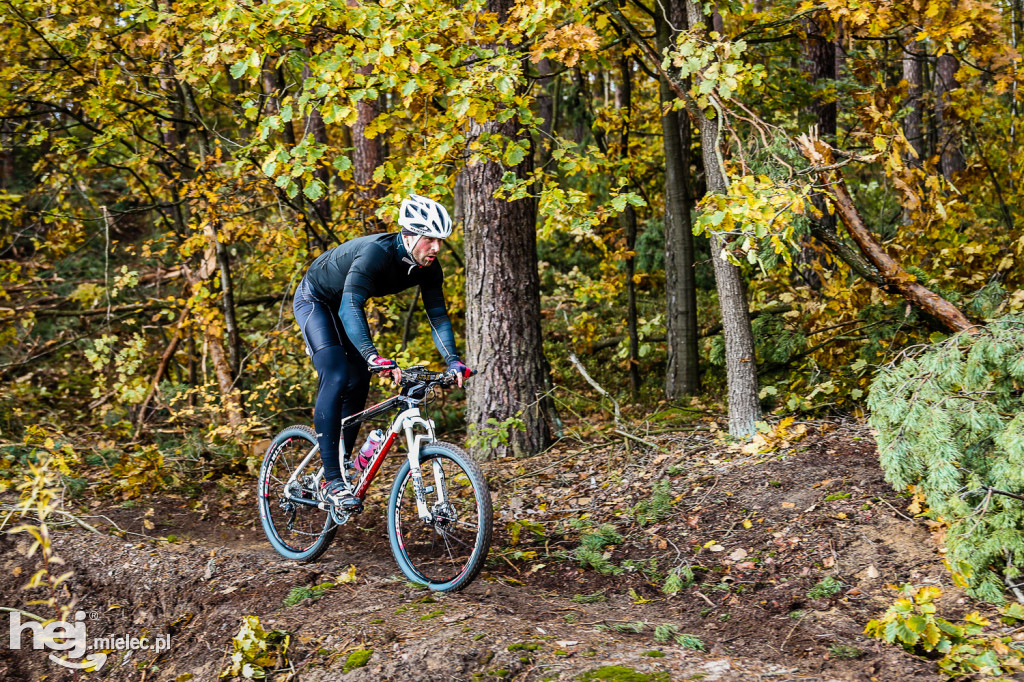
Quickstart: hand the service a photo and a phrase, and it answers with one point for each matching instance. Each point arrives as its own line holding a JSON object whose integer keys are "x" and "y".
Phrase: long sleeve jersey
{"x": 378, "y": 265}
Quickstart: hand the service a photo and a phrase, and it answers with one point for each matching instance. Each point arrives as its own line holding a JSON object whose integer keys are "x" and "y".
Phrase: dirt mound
{"x": 784, "y": 556}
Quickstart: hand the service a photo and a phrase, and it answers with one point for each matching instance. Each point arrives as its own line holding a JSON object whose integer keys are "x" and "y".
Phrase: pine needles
{"x": 950, "y": 421}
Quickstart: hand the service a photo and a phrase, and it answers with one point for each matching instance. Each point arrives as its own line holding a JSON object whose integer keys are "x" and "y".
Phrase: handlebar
{"x": 420, "y": 375}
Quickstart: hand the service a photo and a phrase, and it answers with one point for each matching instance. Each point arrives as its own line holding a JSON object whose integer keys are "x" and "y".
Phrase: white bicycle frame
{"x": 406, "y": 422}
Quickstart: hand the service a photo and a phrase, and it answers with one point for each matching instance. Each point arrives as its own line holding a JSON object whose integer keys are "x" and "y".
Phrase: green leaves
{"x": 248, "y": 67}
{"x": 314, "y": 190}
{"x": 912, "y": 624}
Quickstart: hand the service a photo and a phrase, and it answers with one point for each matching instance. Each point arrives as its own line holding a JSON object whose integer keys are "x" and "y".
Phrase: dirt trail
{"x": 749, "y": 604}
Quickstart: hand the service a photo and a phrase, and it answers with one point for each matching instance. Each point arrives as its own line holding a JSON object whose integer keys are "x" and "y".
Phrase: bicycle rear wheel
{"x": 301, "y": 532}
{"x": 447, "y": 552}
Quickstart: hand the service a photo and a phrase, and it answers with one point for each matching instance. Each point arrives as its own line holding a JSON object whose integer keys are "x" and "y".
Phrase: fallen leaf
{"x": 872, "y": 572}
{"x": 738, "y": 554}
{"x": 717, "y": 548}
{"x": 745, "y": 566}
{"x": 567, "y": 642}
{"x": 747, "y": 523}
{"x": 348, "y": 576}
{"x": 788, "y": 505}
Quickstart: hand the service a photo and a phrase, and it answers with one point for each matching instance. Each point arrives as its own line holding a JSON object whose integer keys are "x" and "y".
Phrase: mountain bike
{"x": 439, "y": 514}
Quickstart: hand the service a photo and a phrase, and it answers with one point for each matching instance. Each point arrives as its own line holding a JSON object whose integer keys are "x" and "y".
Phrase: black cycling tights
{"x": 344, "y": 385}
{"x": 344, "y": 376}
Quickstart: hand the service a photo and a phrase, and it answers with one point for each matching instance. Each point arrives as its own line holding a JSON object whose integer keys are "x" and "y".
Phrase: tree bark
{"x": 627, "y": 220}
{"x": 914, "y": 76}
{"x": 895, "y": 278}
{"x": 367, "y": 155}
{"x": 227, "y": 291}
{"x": 951, "y": 157}
{"x": 683, "y": 374}
{"x": 503, "y": 298}
{"x": 821, "y": 66}
{"x": 740, "y": 360}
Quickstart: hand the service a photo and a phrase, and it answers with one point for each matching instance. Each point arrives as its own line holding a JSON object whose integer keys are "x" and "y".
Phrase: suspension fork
{"x": 408, "y": 421}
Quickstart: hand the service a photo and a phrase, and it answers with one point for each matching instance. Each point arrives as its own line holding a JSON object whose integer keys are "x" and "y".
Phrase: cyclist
{"x": 335, "y": 288}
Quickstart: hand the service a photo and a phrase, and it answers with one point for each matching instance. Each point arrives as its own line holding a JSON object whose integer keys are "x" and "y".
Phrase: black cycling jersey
{"x": 378, "y": 265}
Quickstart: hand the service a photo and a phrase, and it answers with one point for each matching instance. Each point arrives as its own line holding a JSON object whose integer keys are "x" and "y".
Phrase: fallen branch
{"x": 641, "y": 440}
{"x": 165, "y": 361}
{"x": 615, "y": 404}
{"x": 895, "y": 278}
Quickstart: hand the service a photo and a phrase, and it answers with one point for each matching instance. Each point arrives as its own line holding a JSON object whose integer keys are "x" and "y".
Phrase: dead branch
{"x": 615, "y": 404}
{"x": 895, "y": 278}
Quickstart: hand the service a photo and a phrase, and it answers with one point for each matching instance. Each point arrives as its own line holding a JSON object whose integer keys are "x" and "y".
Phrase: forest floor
{"x": 793, "y": 549}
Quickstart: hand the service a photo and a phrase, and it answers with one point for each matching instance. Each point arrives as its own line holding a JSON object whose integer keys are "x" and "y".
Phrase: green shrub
{"x": 950, "y": 422}
{"x": 961, "y": 648}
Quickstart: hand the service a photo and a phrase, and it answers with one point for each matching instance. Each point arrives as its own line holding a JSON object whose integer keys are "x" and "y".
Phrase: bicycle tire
{"x": 288, "y": 525}
{"x": 444, "y": 556}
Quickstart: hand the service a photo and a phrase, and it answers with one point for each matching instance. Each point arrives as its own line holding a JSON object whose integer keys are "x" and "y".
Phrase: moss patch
{"x": 357, "y": 659}
{"x": 619, "y": 673}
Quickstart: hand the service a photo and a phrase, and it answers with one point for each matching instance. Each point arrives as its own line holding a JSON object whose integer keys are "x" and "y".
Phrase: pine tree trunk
{"x": 627, "y": 220}
{"x": 740, "y": 361}
{"x": 683, "y": 374}
{"x": 367, "y": 155}
{"x": 951, "y": 156}
{"x": 821, "y": 66}
{"x": 503, "y": 334}
{"x": 914, "y": 76}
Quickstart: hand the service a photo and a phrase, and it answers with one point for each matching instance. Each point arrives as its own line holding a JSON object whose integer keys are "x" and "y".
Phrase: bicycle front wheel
{"x": 286, "y": 494}
{"x": 448, "y": 551}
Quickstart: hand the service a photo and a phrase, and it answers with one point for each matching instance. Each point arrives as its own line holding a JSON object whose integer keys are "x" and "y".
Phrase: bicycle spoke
{"x": 440, "y": 551}
{"x": 298, "y": 531}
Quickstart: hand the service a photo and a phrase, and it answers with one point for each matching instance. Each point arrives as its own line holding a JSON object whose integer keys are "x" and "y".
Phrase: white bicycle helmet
{"x": 424, "y": 217}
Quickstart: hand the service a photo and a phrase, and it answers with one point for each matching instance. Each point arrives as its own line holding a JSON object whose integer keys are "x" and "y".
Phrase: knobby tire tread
{"x": 318, "y": 548}
{"x": 479, "y": 481}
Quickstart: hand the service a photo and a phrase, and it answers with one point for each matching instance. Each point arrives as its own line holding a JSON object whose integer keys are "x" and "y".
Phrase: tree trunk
{"x": 212, "y": 340}
{"x": 273, "y": 86}
{"x": 227, "y": 291}
{"x": 914, "y": 76}
{"x": 503, "y": 298}
{"x": 627, "y": 220}
{"x": 682, "y": 376}
{"x": 740, "y": 361}
{"x": 821, "y": 56}
{"x": 367, "y": 155}
{"x": 821, "y": 66}
{"x": 951, "y": 156}
{"x": 546, "y": 111}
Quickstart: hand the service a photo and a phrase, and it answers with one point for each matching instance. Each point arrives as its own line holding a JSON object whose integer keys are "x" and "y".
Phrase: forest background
{"x": 752, "y": 206}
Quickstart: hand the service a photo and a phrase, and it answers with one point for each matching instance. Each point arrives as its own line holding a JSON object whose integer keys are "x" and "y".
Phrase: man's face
{"x": 426, "y": 250}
